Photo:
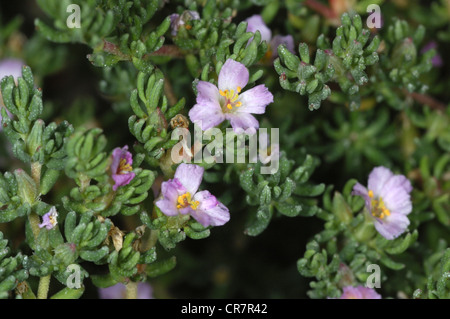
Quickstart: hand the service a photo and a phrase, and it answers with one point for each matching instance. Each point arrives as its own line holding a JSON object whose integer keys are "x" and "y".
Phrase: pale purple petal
{"x": 190, "y": 176}
{"x": 167, "y": 207}
{"x": 206, "y": 114}
{"x": 210, "y": 211}
{"x": 399, "y": 181}
{"x": 116, "y": 157}
{"x": 377, "y": 178}
{"x": 49, "y": 220}
{"x": 232, "y": 75}
{"x": 120, "y": 175}
{"x": 242, "y": 122}
{"x": 437, "y": 59}
{"x": 118, "y": 291}
{"x": 11, "y": 67}
{"x": 144, "y": 291}
{"x": 255, "y": 100}
{"x": 359, "y": 292}
{"x": 360, "y": 190}
{"x": 207, "y": 91}
{"x": 177, "y": 20}
{"x": 277, "y": 40}
{"x": 170, "y": 190}
{"x": 174, "y": 18}
{"x": 256, "y": 23}
{"x": 395, "y": 195}
{"x": 122, "y": 179}
{"x": 206, "y": 200}
{"x": 392, "y": 226}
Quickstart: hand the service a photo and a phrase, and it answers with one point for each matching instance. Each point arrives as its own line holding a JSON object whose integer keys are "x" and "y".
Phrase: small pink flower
{"x": 49, "y": 220}
{"x": 359, "y": 292}
{"x": 387, "y": 200}
{"x": 436, "y": 61}
{"x": 256, "y": 23}
{"x": 121, "y": 167}
{"x": 176, "y": 20}
{"x": 180, "y": 195}
{"x": 226, "y": 102}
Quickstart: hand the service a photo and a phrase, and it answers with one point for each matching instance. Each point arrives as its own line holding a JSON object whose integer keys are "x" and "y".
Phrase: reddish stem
{"x": 321, "y": 8}
{"x": 428, "y": 100}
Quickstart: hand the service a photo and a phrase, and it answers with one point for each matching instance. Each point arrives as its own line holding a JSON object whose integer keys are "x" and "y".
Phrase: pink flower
{"x": 256, "y": 23}
{"x": 359, "y": 292}
{"x": 388, "y": 201}
{"x": 176, "y": 20}
{"x": 226, "y": 102}
{"x": 180, "y": 195}
{"x": 436, "y": 61}
{"x": 49, "y": 220}
{"x": 121, "y": 167}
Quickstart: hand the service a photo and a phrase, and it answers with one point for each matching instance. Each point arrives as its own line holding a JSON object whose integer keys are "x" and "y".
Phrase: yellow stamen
{"x": 231, "y": 97}
{"x": 378, "y": 207}
{"x": 124, "y": 167}
{"x": 185, "y": 200}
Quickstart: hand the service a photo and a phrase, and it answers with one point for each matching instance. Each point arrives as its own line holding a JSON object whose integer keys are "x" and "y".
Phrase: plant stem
{"x": 44, "y": 285}
{"x": 320, "y": 8}
{"x": 44, "y": 282}
{"x": 131, "y": 290}
{"x": 427, "y": 100}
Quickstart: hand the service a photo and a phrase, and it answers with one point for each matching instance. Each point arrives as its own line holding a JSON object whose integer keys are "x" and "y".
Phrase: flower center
{"x": 124, "y": 167}
{"x": 231, "y": 98}
{"x": 379, "y": 209}
{"x": 185, "y": 200}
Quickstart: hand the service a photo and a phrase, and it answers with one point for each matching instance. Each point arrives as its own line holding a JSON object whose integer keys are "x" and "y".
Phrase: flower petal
{"x": 206, "y": 114}
{"x": 190, "y": 176}
{"x": 122, "y": 179}
{"x": 277, "y": 40}
{"x": 392, "y": 226}
{"x": 398, "y": 181}
{"x": 377, "y": 178}
{"x": 359, "y": 292}
{"x": 360, "y": 190}
{"x": 255, "y": 100}
{"x": 210, "y": 212}
{"x": 118, "y": 154}
{"x": 170, "y": 190}
{"x": 11, "y": 67}
{"x": 167, "y": 207}
{"x": 395, "y": 195}
{"x": 207, "y": 92}
{"x": 256, "y": 23}
{"x": 232, "y": 75}
{"x": 242, "y": 122}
